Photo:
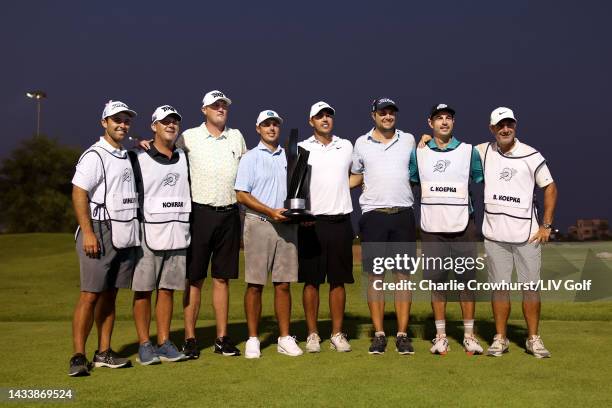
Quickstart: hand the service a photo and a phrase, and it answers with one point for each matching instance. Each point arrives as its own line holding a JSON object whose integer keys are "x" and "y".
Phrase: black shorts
{"x": 325, "y": 250}
{"x": 214, "y": 234}
{"x": 454, "y": 245}
{"x": 386, "y": 235}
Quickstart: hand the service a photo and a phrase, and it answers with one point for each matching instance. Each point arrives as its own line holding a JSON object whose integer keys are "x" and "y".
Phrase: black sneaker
{"x": 190, "y": 349}
{"x": 223, "y": 345}
{"x": 403, "y": 345}
{"x": 79, "y": 366}
{"x": 379, "y": 343}
{"x": 110, "y": 359}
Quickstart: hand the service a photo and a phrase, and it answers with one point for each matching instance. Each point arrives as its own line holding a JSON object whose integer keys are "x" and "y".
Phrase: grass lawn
{"x": 39, "y": 286}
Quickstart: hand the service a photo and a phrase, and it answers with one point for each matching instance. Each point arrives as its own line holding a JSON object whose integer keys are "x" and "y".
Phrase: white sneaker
{"x": 287, "y": 345}
{"x": 313, "y": 343}
{"x": 471, "y": 345}
{"x": 251, "y": 350}
{"x": 339, "y": 343}
{"x": 440, "y": 345}
{"x": 499, "y": 346}
{"x": 536, "y": 347}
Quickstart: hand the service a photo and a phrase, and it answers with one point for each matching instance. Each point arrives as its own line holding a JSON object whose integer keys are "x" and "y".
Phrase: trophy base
{"x": 295, "y": 216}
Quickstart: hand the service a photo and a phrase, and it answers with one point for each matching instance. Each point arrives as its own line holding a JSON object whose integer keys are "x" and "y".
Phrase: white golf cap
{"x": 501, "y": 113}
{"x": 268, "y": 114}
{"x": 113, "y": 107}
{"x": 213, "y": 96}
{"x": 163, "y": 111}
{"x": 318, "y": 107}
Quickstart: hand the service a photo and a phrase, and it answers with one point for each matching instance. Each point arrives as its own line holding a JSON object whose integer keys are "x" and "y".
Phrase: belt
{"x": 257, "y": 216}
{"x": 223, "y": 208}
{"x": 391, "y": 210}
{"x": 335, "y": 217}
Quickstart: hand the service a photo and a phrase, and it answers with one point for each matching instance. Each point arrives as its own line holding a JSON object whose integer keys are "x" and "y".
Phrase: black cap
{"x": 382, "y": 103}
{"x": 439, "y": 108}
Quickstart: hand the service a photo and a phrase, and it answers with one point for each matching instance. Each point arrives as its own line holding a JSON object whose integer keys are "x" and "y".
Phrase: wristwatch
{"x": 547, "y": 226}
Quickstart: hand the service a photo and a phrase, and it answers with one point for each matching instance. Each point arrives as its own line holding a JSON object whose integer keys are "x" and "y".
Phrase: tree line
{"x": 36, "y": 187}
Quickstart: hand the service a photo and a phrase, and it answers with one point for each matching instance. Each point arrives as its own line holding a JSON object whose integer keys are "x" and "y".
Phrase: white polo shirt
{"x": 329, "y": 175}
{"x": 542, "y": 175}
{"x": 89, "y": 173}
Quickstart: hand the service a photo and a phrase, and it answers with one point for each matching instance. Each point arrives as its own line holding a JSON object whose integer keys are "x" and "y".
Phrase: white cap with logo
{"x": 268, "y": 114}
{"x": 500, "y": 114}
{"x": 163, "y": 111}
{"x": 318, "y": 107}
{"x": 113, "y": 107}
{"x": 213, "y": 96}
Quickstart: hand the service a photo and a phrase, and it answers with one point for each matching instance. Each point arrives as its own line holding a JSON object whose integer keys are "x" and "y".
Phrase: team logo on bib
{"x": 441, "y": 165}
{"x": 126, "y": 176}
{"x": 507, "y": 173}
{"x": 170, "y": 179}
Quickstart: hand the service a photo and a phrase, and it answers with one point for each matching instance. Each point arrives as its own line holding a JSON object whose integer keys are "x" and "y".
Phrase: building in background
{"x": 585, "y": 230}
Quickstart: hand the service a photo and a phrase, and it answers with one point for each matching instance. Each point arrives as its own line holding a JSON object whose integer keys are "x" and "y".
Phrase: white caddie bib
{"x": 445, "y": 177}
{"x": 166, "y": 203}
{"x": 508, "y": 195}
{"x": 120, "y": 199}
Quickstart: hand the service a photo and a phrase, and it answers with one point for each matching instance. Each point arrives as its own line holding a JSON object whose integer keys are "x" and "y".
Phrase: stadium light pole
{"x": 37, "y": 95}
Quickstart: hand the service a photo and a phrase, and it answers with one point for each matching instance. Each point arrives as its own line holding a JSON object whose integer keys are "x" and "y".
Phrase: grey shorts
{"x": 269, "y": 247}
{"x": 502, "y": 258}
{"x": 159, "y": 269}
{"x": 114, "y": 267}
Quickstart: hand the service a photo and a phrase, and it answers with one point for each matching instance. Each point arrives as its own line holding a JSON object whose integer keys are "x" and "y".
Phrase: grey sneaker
{"x": 79, "y": 366}
{"x": 536, "y": 347}
{"x": 403, "y": 345}
{"x": 499, "y": 346}
{"x": 378, "y": 346}
{"x": 313, "y": 343}
{"x": 110, "y": 359}
{"x": 147, "y": 354}
{"x": 169, "y": 352}
{"x": 339, "y": 342}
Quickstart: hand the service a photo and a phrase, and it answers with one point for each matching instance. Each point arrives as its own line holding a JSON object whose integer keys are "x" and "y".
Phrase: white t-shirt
{"x": 329, "y": 176}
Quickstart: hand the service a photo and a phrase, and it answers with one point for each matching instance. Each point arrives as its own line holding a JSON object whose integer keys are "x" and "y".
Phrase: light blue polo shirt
{"x": 476, "y": 173}
{"x": 385, "y": 170}
{"x": 263, "y": 173}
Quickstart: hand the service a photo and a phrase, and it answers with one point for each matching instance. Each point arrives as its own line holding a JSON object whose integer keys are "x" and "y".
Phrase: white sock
{"x": 253, "y": 338}
{"x": 379, "y": 334}
{"x": 468, "y": 327}
{"x": 402, "y": 334}
{"x": 440, "y": 327}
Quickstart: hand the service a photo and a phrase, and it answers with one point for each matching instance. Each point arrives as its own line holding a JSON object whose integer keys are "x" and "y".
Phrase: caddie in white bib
{"x": 508, "y": 195}
{"x": 444, "y": 177}
{"x": 166, "y": 202}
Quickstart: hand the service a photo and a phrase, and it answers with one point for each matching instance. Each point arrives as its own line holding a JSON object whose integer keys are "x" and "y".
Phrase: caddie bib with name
{"x": 166, "y": 203}
{"x": 508, "y": 195}
{"x": 444, "y": 177}
{"x": 120, "y": 198}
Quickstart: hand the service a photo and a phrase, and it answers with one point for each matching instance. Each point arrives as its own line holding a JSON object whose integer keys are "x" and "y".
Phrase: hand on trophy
{"x": 277, "y": 215}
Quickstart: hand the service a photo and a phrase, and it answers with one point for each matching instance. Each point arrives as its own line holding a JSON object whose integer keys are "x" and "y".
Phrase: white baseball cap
{"x": 163, "y": 111}
{"x": 318, "y": 107}
{"x": 268, "y": 114}
{"x": 113, "y": 107}
{"x": 501, "y": 113}
{"x": 213, "y": 96}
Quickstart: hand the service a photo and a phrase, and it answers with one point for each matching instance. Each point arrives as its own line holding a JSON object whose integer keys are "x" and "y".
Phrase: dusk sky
{"x": 549, "y": 61}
